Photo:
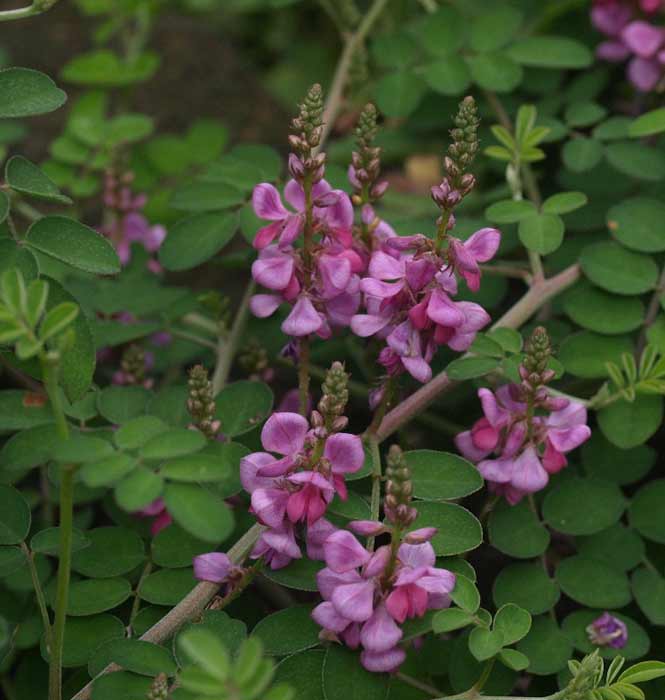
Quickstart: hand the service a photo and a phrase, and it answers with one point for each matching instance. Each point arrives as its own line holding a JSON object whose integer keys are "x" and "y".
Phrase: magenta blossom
{"x": 608, "y": 631}
{"x": 366, "y": 596}
{"x": 214, "y": 567}
{"x": 156, "y": 510}
{"x": 296, "y": 486}
{"x": 527, "y": 449}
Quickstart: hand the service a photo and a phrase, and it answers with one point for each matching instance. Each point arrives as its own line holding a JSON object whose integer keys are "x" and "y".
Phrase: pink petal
{"x": 214, "y": 566}
{"x": 397, "y": 603}
{"x": 295, "y": 195}
{"x": 367, "y": 528}
{"x": 384, "y": 267}
{"x": 291, "y": 231}
{"x": 335, "y": 273}
{"x": 325, "y": 615}
{"x": 497, "y": 470}
{"x": 365, "y": 325}
{"x": 483, "y": 244}
{"x": 415, "y": 555}
{"x": 345, "y": 453}
{"x": 264, "y": 305}
{"x": 380, "y": 633}
{"x": 644, "y": 73}
{"x": 317, "y": 533}
{"x": 438, "y": 581}
{"x": 304, "y": 319}
{"x": 344, "y": 552}
{"x": 267, "y": 203}
{"x": 465, "y": 444}
{"x": 354, "y": 601}
{"x": 642, "y": 38}
{"x": 528, "y": 472}
{"x": 613, "y": 51}
{"x": 269, "y": 505}
{"x": 284, "y": 433}
{"x": 379, "y": 561}
{"x": 384, "y": 661}
{"x": 441, "y": 309}
{"x": 249, "y": 471}
{"x": 273, "y": 269}
{"x": 283, "y": 540}
{"x": 328, "y": 580}
{"x": 568, "y": 439}
{"x": 421, "y": 535}
{"x": 418, "y": 368}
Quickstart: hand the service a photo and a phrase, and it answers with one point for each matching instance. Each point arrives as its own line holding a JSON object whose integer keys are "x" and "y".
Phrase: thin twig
{"x": 37, "y": 7}
{"x": 652, "y": 311}
{"x": 227, "y": 346}
{"x": 336, "y": 92}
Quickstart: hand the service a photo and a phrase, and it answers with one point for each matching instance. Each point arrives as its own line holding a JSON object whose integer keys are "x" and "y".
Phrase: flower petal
{"x": 284, "y": 433}
{"x": 267, "y": 203}
{"x": 380, "y": 632}
{"x": 214, "y": 566}
{"x": 304, "y": 319}
{"x": 354, "y": 601}
{"x": 344, "y": 552}
{"x": 345, "y": 453}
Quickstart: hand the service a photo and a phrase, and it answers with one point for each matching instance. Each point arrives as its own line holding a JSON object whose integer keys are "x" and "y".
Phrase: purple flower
{"x": 156, "y": 510}
{"x": 214, "y": 566}
{"x": 608, "y": 631}
{"x": 524, "y": 457}
{"x": 366, "y": 598}
{"x": 478, "y": 248}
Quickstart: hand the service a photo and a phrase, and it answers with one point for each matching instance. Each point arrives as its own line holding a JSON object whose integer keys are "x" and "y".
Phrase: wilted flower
{"x": 608, "y": 631}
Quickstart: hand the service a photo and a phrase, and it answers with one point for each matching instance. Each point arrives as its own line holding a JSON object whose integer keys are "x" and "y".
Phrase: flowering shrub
{"x": 417, "y": 457}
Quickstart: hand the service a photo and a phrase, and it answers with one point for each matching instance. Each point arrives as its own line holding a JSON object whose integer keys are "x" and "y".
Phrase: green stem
{"x": 415, "y": 683}
{"x": 39, "y": 593}
{"x": 484, "y": 677}
{"x": 37, "y": 7}
{"x": 375, "y": 503}
{"x": 303, "y": 374}
{"x": 227, "y": 345}
{"x": 136, "y": 605}
{"x": 308, "y": 245}
{"x": 64, "y": 571}
{"x": 192, "y": 337}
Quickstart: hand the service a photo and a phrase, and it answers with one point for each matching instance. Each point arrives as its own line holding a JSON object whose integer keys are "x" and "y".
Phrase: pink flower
{"x": 277, "y": 546}
{"x": 156, "y": 510}
{"x": 526, "y": 453}
{"x": 478, "y": 248}
{"x": 214, "y": 566}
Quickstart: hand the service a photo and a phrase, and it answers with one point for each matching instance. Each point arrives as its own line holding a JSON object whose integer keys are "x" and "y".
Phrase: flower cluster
{"x": 407, "y": 293}
{"x": 608, "y": 630}
{"x": 367, "y": 595}
{"x": 135, "y": 366}
{"x": 124, "y": 224}
{"x": 526, "y": 427}
{"x": 290, "y": 492}
{"x": 320, "y": 280}
{"x": 632, "y": 36}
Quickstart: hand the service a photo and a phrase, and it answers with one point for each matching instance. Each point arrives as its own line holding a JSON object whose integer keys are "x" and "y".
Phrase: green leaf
{"x": 584, "y": 113}
{"x": 231, "y": 633}
{"x": 648, "y": 587}
{"x": 120, "y": 404}
{"x": 447, "y": 76}
{"x": 514, "y": 659}
{"x": 398, "y": 94}
{"x": 344, "y": 678}
{"x": 199, "y": 512}
{"x": 495, "y": 27}
{"x": 203, "y": 648}
{"x": 48, "y": 541}
{"x": 550, "y": 52}
{"x": 601, "y": 312}
{"x": 442, "y": 32}
{"x": 136, "y": 432}
{"x": 516, "y": 531}
{"x": 73, "y": 243}
{"x": 18, "y": 411}
{"x": 134, "y": 655}
{"x": 575, "y": 628}
{"x": 582, "y": 154}
{"x": 636, "y": 160}
{"x": 495, "y": 71}
{"x": 15, "y": 516}
{"x": 25, "y": 177}
{"x": 647, "y": 124}
{"x": 451, "y": 619}
{"x": 471, "y": 367}
{"x": 29, "y": 448}
{"x": 107, "y": 472}
{"x": 546, "y": 646}
{"x": 175, "y": 442}
{"x": 615, "y": 269}
{"x": 465, "y": 594}
{"x": 105, "y": 68}
{"x": 639, "y": 223}
{"x": 94, "y": 561}
{"x": 585, "y": 354}
{"x": 196, "y": 239}
{"x": 303, "y": 673}
{"x": 167, "y": 586}
{"x": 458, "y": 529}
{"x": 20, "y": 257}
{"x": 564, "y": 202}
{"x": 83, "y": 635}
{"x": 299, "y": 574}
{"x": 441, "y": 476}
{"x": 57, "y": 319}
{"x": 593, "y": 583}
{"x": 643, "y": 672}
{"x": 173, "y": 548}
{"x": 288, "y": 631}
{"x": 618, "y": 546}
{"x": 484, "y": 643}
{"x": 604, "y": 506}
{"x": 199, "y": 196}
{"x": 513, "y": 622}
{"x": 541, "y": 233}
{"x": 509, "y": 211}
{"x": 202, "y": 468}
{"x": 28, "y": 92}
{"x": 206, "y": 139}
{"x": 526, "y": 585}
{"x": 92, "y": 596}
{"x": 242, "y": 406}
{"x": 646, "y": 513}
{"x": 138, "y": 489}
{"x": 128, "y": 128}
{"x": 629, "y": 424}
